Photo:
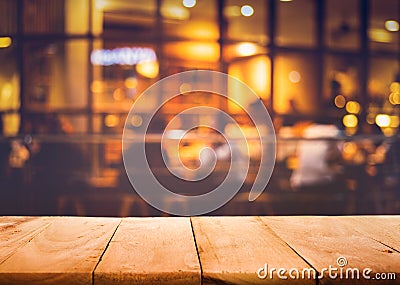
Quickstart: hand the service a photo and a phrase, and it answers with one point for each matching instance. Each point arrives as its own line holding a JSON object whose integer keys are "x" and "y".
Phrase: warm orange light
{"x": 97, "y": 86}
{"x": 353, "y": 107}
{"x": 198, "y": 51}
{"x": 5, "y": 42}
{"x": 131, "y": 83}
{"x": 148, "y": 69}
{"x": 246, "y": 49}
{"x": 350, "y": 121}
{"x": 394, "y": 98}
{"x": 111, "y": 121}
{"x": 340, "y": 101}
{"x": 382, "y": 120}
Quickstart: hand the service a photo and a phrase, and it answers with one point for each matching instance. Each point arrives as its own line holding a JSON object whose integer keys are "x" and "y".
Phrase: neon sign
{"x": 122, "y": 56}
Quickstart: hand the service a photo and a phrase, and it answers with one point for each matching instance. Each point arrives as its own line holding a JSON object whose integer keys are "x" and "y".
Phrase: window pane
{"x": 121, "y": 18}
{"x": 295, "y": 82}
{"x": 255, "y": 72}
{"x": 384, "y": 35}
{"x": 296, "y": 23}
{"x": 45, "y": 16}
{"x": 382, "y": 73}
{"x": 342, "y": 24}
{"x": 121, "y": 72}
{"x": 8, "y": 17}
{"x": 341, "y": 78}
{"x": 198, "y": 22}
{"x": 193, "y": 52}
{"x": 246, "y": 28}
{"x": 56, "y": 75}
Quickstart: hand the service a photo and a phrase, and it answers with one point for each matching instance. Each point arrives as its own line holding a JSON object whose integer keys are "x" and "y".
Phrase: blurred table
{"x": 198, "y": 250}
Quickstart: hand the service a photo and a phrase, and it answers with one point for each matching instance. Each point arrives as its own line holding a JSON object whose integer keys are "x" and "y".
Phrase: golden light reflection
{"x": 175, "y": 12}
{"x": 111, "y": 121}
{"x": 246, "y": 49}
{"x": 394, "y": 122}
{"x": 340, "y": 101}
{"x": 11, "y": 124}
{"x": 382, "y": 120}
{"x": 118, "y": 94}
{"x": 389, "y": 132}
{"x": 148, "y": 69}
{"x": 97, "y": 86}
{"x": 353, "y": 107}
{"x": 394, "y": 98}
{"x": 5, "y": 42}
{"x": 196, "y": 51}
{"x": 350, "y": 121}
{"x": 131, "y": 83}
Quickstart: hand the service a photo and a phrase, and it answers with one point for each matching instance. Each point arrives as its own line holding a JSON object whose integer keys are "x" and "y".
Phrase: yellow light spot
{"x": 118, "y": 94}
{"x": 247, "y": 10}
{"x": 294, "y": 76}
{"x": 382, "y": 120}
{"x": 136, "y": 121}
{"x": 111, "y": 121}
{"x": 392, "y": 25}
{"x": 246, "y": 49}
{"x": 5, "y": 42}
{"x": 350, "y": 148}
{"x": 185, "y": 87}
{"x": 131, "y": 83}
{"x": 148, "y": 69}
{"x": 340, "y": 101}
{"x": 350, "y": 121}
{"x": 353, "y": 107}
{"x": 394, "y": 122}
{"x": 388, "y": 132}
{"x": 395, "y": 87}
{"x": 394, "y": 98}
{"x": 97, "y": 86}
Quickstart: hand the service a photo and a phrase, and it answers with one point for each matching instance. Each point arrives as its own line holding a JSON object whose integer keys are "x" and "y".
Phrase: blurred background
{"x": 326, "y": 70}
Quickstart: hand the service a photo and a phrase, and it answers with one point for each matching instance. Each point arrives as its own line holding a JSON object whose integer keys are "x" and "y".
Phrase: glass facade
{"x": 73, "y": 67}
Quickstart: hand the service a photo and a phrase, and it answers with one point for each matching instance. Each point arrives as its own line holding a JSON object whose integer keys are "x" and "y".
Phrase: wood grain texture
{"x": 66, "y": 252}
{"x": 385, "y": 229}
{"x": 232, "y": 249}
{"x": 322, "y": 240}
{"x": 150, "y": 251}
{"x": 17, "y": 231}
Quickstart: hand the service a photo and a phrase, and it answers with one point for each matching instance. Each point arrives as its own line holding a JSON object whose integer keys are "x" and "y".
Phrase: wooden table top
{"x": 200, "y": 250}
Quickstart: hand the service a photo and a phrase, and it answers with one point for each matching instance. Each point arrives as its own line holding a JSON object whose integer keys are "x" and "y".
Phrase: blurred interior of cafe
{"x": 327, "y": 71}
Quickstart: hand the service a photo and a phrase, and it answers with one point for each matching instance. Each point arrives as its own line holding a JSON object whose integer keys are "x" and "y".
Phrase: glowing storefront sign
{"x": 123, "y": 56}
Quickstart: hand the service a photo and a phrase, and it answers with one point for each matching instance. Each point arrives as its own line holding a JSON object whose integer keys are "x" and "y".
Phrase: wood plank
{"x": 322, "y": 240}
{"x": 150, "y": 251}
{"x": 385, "y": 229}
{"x": 232, "y": 249}
{"x": 17, "y": 231}
{"x": 66, "y": 252}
